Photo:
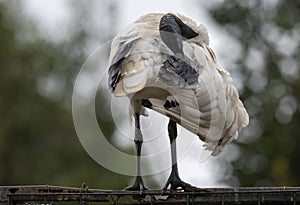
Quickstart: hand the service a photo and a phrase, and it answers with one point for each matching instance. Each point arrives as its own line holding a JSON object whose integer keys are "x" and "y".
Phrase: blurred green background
{"x": 38, "y": 143}
{"x": 269, "y": 35}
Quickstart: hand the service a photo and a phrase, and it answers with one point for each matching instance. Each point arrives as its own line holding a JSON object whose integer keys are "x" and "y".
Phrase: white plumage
{"x": 209, "y": 108}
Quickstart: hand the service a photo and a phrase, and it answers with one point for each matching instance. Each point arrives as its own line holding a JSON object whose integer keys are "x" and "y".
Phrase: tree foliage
{"x": 38, "y": 143}
{"x": 268, "y": 33}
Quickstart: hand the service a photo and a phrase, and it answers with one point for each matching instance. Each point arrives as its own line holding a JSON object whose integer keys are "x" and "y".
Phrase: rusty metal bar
{"x": 244, "y": 195}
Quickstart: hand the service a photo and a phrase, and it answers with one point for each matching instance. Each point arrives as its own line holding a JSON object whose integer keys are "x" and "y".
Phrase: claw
{"x": 178, "y": 185}
{"x": 138, "y": 185}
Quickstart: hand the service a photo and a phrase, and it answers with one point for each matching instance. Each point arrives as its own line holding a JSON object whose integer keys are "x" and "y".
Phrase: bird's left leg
{"x": 138, "y": 184}
{"x": 174, "y": 180}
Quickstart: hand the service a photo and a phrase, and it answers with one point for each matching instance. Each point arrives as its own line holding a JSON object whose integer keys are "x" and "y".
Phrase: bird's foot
{"x": 176, "y": 184}
{"x": 138, "y": 185}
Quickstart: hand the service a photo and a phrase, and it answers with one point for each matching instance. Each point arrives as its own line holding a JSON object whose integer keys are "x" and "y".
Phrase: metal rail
{"x": 45, "y": 194}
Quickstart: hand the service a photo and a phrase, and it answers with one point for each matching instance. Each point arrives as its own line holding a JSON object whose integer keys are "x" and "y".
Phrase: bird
{"x": 163, "y": 62}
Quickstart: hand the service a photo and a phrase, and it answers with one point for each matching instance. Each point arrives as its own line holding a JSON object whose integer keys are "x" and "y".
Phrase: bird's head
{"x": 154, "y": 18}
{"x": 202, "y": 37}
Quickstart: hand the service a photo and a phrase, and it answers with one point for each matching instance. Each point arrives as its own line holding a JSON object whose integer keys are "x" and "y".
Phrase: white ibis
{"x": 163, "y": 62}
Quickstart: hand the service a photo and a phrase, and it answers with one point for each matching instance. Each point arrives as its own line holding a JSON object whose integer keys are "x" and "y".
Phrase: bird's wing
{"x": 120, "y": 50}
{"x": 212, "y": 108}
{"x": 135, "y": 52}
{"x": 228, "y": 114}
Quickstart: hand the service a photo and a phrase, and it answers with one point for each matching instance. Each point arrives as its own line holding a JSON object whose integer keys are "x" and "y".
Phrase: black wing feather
{"x": 114, "y": 70}
{"x": 176, "y": 71}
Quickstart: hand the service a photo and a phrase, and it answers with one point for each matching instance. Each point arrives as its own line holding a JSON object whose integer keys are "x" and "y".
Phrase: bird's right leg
{"x": 174, "y": 180}
{"x": 138, "y": 184}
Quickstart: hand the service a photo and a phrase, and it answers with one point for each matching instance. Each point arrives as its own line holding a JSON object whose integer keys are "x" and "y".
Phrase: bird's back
{"x": 138, "y": 50}
{"x": 209, "y": 107}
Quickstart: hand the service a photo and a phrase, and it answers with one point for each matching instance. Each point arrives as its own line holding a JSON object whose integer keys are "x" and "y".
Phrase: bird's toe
{"x": 137, "y": 186}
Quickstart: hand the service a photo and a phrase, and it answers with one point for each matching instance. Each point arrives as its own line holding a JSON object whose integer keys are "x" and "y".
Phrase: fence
{"x": 45, "y": 195}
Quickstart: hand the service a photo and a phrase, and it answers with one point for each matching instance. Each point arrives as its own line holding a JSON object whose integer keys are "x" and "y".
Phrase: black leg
{"x": 138, "y": 184}
{"x": 174, "y": 180}
{"x": 172, "y": 29}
